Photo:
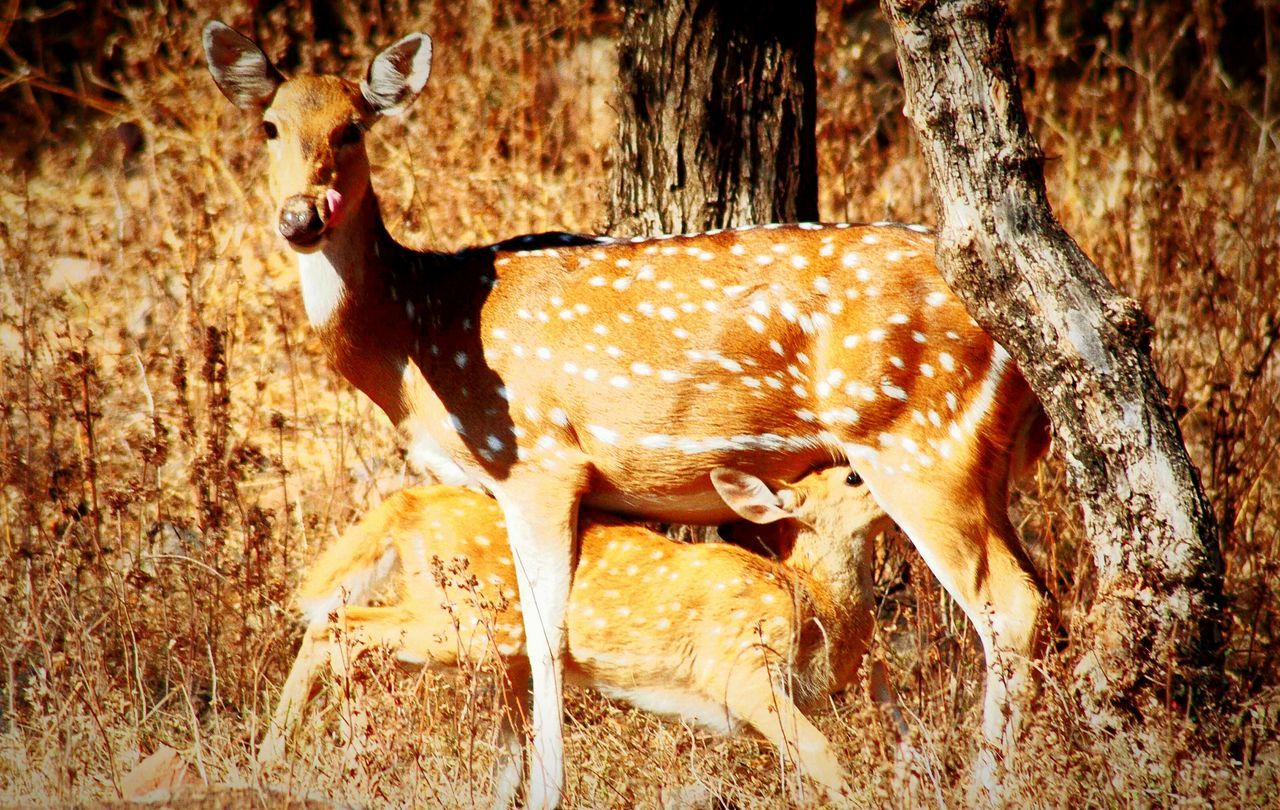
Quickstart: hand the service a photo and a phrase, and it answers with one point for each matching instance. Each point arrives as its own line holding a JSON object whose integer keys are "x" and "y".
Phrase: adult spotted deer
{"x": 555, "y": 370}
{"x": 709, "y": 631}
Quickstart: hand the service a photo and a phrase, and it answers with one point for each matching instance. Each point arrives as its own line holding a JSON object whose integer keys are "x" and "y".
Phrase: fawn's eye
{"x": 269, "y": 129}
{"x": 349, "y": 135}
{"x": 854, "y": 480}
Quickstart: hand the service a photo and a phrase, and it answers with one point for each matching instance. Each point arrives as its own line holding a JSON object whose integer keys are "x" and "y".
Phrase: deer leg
{"x": 541, "y": 525}
{"x": 312, "y": 654}
{"x": 917, "y": 772}
{"x": 755, "y": 700}
{"x": 964, "y": 535}
{"x": 508, "y": 770}
{"x": 363, "y": 628}
{"x": 882, "y": 694}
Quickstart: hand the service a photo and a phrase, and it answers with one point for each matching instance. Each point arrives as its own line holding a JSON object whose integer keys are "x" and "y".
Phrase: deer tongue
{"x": 333, "y": 204}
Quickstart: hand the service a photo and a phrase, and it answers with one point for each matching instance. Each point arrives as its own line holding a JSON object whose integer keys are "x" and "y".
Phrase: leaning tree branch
{"x": 1085, "y": 350}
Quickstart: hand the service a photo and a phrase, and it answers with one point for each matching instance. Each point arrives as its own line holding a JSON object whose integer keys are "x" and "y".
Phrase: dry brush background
{"x": 173, "y": 450}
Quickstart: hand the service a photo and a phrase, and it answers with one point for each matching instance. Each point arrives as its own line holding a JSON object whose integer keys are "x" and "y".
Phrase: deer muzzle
{"x": 300, "y": 221}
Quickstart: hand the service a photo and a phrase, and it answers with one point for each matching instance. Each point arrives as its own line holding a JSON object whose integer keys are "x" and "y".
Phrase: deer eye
{"x": 854, "y": 480}
{"x": 269, "y": 129}
{"x": 349, "y": 135}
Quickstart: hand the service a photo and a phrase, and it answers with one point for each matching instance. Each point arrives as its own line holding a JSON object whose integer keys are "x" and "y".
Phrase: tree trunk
{"x": 716, "y": 116}
{"x": 1155, "y": 628}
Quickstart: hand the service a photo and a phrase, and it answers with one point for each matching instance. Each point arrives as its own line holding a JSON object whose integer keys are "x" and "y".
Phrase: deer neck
{"x": 340, "y": 270}
{"x": 366, "y": 296}
{"x": 834, "y": 558}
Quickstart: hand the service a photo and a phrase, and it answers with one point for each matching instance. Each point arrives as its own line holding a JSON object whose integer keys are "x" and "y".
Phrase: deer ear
{"x": 397, "y": 75}
{"x": 748, "y": 496}
{"x": 241, "y": 70}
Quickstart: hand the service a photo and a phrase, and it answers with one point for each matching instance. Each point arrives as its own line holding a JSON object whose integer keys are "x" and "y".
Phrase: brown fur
{"x": 710, "y": 632}
{"x": 620, "y": 374}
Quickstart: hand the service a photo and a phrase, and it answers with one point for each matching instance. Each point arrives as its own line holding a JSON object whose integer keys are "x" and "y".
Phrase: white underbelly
{"x": 702, "y": 507}
{"x": 670, "y": 702}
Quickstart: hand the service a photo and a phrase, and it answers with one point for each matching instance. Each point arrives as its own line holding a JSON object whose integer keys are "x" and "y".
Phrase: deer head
{"x": 315, "y": 125}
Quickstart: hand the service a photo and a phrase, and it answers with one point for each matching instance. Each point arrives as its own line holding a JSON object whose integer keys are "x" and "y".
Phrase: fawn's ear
{"x": 397, "y": 75}
{"x": 241, "y": 70}
{"x": 749, "y": 497}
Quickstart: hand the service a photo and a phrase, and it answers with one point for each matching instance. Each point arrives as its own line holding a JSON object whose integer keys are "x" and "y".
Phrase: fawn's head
{"x": 830, "y": 506}
{"x": 315, "y": 125}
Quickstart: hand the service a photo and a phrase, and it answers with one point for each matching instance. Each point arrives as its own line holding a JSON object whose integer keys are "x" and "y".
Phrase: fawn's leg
{"x": 508, "y": 770}
{"x": 312, "y": 654}
{"x": 403, "y": 628}
{"x": 754, "y": 699}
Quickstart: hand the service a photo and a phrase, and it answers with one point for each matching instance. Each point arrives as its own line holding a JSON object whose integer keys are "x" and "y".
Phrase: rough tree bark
{"x": 1155, "y": 627}
{"x": 716, "y": 116}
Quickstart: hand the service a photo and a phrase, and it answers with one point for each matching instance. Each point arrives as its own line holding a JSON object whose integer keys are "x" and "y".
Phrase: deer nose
{"x": 300, "y": 222}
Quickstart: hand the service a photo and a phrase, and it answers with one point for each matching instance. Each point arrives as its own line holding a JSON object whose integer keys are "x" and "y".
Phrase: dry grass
{"x": 173, "y": 448}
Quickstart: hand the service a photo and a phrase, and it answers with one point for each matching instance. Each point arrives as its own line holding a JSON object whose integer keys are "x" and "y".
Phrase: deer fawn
{"x": 709, "y": 631}
{"x": 555, "y": 370}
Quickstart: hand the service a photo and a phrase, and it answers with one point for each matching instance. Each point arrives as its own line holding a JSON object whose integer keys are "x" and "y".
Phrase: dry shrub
{"x": 174, "y": 449}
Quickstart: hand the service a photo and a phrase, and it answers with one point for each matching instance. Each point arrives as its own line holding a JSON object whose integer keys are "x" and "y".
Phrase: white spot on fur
{"x": 604, "y": 434}
{"x": 892, "y": 391}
